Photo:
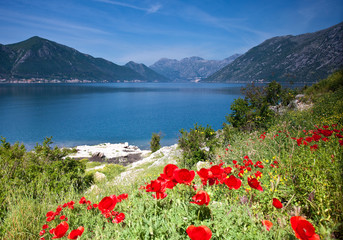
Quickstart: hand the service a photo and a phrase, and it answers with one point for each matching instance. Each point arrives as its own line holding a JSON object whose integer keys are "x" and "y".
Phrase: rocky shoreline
{"x": 119, "y": 153}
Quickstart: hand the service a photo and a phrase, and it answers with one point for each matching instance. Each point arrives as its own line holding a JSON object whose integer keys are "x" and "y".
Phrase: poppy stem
{"x": 199, "y": 213}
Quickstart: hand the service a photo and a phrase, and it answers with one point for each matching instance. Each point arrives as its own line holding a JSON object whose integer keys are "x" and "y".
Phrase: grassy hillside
{"x": 291, "y": 167}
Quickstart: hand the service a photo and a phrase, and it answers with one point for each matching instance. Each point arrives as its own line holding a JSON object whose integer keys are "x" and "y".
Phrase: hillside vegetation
{"x": 266, "y": 175}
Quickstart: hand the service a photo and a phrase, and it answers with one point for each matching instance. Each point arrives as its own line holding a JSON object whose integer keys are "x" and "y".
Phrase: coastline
{"x": 118, "y": 153}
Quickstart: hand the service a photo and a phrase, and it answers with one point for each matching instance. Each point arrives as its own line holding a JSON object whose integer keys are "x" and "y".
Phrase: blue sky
{"x": 146, "y": 30}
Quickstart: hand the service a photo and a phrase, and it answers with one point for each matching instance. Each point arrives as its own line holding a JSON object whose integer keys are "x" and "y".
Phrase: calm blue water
{"x": 77, "y": 114}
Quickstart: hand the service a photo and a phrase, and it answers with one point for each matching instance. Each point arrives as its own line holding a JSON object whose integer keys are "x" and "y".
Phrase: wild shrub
{"x": 332, "y": 83}
{"x": 197, "y": 144}
{"x": 43, "y": 169}
{"x": 155, "y": 142}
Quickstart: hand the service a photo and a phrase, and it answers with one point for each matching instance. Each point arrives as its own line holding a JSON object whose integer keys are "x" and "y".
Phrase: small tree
{"x": 241, "y": 111}
{"x": 155, "y": 142}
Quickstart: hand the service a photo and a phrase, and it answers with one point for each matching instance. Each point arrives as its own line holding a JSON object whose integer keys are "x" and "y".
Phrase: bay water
{"x": 78, "y": 114}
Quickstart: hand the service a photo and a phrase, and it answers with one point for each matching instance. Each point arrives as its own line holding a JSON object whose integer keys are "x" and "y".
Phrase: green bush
{"x": 155, "y": 142}
{"x": 44, "y": 169}
{"x": 332, "y": 83}
{"x": 253, "y": 112}
{"x": 198, "y": 144}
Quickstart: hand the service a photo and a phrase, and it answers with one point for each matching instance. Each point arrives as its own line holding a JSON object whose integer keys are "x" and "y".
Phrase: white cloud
{"x": 152, "y": 9}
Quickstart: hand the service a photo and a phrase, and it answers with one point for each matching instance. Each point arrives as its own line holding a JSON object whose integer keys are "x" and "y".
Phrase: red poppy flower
{"x": 168, "y": 171}
{"x": 70, "y": 204}
{"x": 339, "y": 135}
{"x": 258, "y": 174}
{"x": 340, "y": 142}
{"x": 268, "y": 224}
{"x": 83, "y": 200}
{"x": 240, "y": 174}
{"x": 233, "y": 183}
{"x": 119, "y": 218}
{"x": 156, "y": 186}
{"x": 303, "y": 229}
{"x": 316, "y": 137}
{"x": 314, "y": 147}
{"x": 262, "y": 137}
{"x": 184, "y": 176}
{"x": 254, "y": 183}
{"x": 74, "y": 234}
{"x": 277, "y": 203}
{"x": 60, "y": 230}
{"x": 299, "y": 141}
{"x": 41, "y": 232}
{"x": 326, "y": 133}
{"x": 199, "y": 233}
{"x": 45, "y": 226}
{"x": 49, "y": 219}
{"x": 201, "y": 198}
{"x": 227, "y": 170}
{"x": 50, "y": 214}
{"x": 107, "y": 204}
{"x": 217, "y": 171}
{"x": 204, "y": 175}
{"x": 160, "y": 195}
{"x": 122, "y": 197}
{"x": 170, "y": 184}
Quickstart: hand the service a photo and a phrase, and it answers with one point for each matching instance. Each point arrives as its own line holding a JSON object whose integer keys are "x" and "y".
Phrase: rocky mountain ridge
{"x": 302, "y": 58}
{"x": 189, "y": 69}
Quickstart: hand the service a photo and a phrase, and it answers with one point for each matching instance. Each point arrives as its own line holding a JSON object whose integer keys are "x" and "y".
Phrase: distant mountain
{"x": 146, "y": 72}
{"x": 306, "y": 57}
{"x": 40, "y": 58}
{"x": 189, "y": 69}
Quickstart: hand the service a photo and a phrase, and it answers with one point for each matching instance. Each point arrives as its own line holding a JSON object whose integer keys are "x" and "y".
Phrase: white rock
{"x": 98, "y": 177}
{"x": 107, "y": 149}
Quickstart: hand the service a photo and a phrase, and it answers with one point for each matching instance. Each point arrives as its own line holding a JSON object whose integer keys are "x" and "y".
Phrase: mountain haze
{"x": 40, "y": 58}
{"x": 189, "y": 69}
{"x": 306, "y": 57}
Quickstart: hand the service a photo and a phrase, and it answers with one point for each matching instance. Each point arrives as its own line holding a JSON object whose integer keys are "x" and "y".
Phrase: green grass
{"x": 93, "y": 164}
{"x": 110, "y": 170}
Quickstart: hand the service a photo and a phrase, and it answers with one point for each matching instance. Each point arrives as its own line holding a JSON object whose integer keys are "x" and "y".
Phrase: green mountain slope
{"x": 41, "y": 58}
{"x": 306, "y": 57}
